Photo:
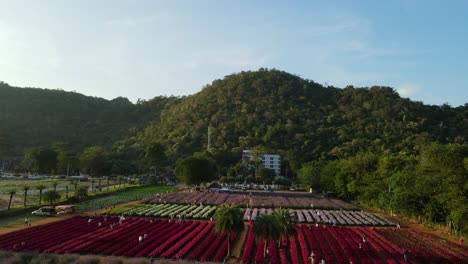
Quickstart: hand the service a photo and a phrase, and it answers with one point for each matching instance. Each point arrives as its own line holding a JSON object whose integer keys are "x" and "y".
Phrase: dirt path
{"x": 406, "y": 222}
{"x": 239, "y": 243}
{"x": 102, "y": 211}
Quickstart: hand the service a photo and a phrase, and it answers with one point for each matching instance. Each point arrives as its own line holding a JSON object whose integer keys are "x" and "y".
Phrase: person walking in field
{"x": 405, "y": 254}
{"x": 140, "y": 239}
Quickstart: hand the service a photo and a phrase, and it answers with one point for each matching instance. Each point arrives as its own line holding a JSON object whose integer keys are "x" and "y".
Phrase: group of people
{"x": 141, "y": 238}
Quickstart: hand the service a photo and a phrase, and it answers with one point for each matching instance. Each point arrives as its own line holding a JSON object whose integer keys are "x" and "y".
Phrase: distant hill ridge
{"x": 277, "y": 110}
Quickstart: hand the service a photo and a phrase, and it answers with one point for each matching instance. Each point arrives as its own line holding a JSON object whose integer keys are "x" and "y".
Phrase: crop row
{"x": 251, "y": 199}
{"x": 197, "y": 240}
{"x": 132, "y": 237}
{"x": 312, "y": 244}
{"x": 330, "y": 217}
{"x": 166, "y": 211}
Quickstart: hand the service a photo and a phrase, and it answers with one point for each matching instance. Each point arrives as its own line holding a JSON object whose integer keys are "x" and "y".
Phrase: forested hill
{"x": 31, "y": 117}
{"x": 282, "y": 113}
{"x": 302, "y": 120}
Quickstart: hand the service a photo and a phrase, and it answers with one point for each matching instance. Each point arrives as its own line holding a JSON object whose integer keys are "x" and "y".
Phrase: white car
{"x": 44, "y": 211}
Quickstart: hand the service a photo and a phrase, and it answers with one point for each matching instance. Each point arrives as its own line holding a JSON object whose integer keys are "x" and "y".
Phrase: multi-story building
{"x": 269, "y": 161}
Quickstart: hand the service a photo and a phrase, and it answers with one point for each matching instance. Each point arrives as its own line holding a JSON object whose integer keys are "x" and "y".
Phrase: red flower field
{"x": 197, "y": 240}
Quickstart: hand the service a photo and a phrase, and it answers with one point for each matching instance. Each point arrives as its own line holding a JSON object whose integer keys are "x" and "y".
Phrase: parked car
{"x": 224, "y": 189}
{"x": 45, "y": 211}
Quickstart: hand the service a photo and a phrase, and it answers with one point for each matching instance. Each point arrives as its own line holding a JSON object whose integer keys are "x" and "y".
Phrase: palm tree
{"x": 286, "y": 222}
{"x": 40, "y": 187}
{"x": 51, "y": 196}
{"x": 11, "y": 193}
{"x": 267, "y": 227}
{"x": 257, "y": 154}
{"x": 93, "y": 181}
{"x": 25, "y": 189}
{"x": 228, "y": 219}
{"x": 54, "y": 184}
{"x": 81, "y": 193}
{"x": 119, "y": 179}
{"x": 75, "y": 184}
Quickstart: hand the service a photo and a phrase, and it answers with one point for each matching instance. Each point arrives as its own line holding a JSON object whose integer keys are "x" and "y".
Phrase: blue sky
{"x": 141, "y": 49}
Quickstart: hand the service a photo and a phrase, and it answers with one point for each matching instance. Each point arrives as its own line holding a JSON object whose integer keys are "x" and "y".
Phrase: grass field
{"x": 116, "y": 197}
{"x": 33, "y": 193}
{"x": 124, "y": 196}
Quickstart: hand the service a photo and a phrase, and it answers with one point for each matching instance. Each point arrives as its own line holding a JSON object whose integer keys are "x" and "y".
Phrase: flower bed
{"x": 167, "y": 211}
{"x": 330, "y": 217}
{"x": 196, "y": 240}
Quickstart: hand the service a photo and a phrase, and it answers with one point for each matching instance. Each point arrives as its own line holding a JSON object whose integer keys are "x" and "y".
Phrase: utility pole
{"x": 209, "y": 139}
{"x": 68, "y": 169}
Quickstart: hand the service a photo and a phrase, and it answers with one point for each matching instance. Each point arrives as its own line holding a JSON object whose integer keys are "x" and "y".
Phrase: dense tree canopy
{"x": 93, "y": 160}
{"x": 196, "y": 169}
{"x": 34, "y": 117}
{"x": 40, "y": 160}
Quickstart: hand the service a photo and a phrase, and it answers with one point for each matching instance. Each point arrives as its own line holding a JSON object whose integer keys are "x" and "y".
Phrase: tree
{"x": 25, "y": 189}
{"x": 267, "y": 227}
{"x": 119, "y": 180}
{"x": 5, "y": 146}
{"x": 40, "y": 187}
{"x": 75, "y": 184}
{"x": 41, "y": 160}
{"x": 51, "y": 196}
{"x": 196, "y": 170}
{"x": 285, "y": 221}
{"x": 257, "y": 154}
{"x": 229, "y": 219}
{"x": 93, "y": 160}
{"x": 11, "y": 193}
{"x": 155, "y": 154}
{"x": 93, "y": 181}
{"x": 54, "y": 185}
{"x": 266, "y": 174}
{"x": 81, "y": 193}
{"x": 67, "y": 161}
{"x": 310, "y": 173}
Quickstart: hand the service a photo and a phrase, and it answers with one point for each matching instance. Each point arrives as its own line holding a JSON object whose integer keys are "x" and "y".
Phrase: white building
{"x": 269, "y": 161}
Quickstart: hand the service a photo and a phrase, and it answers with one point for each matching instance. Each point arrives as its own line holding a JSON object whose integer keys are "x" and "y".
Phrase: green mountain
{"x": 31, "y": 117}
{"x": 301, "y": 120}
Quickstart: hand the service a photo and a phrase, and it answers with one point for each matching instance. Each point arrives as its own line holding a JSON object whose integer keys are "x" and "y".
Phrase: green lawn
{"x": 15, "y": 221}
{"x": 33, "y": 193}
{"x": 123, "y": 196}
